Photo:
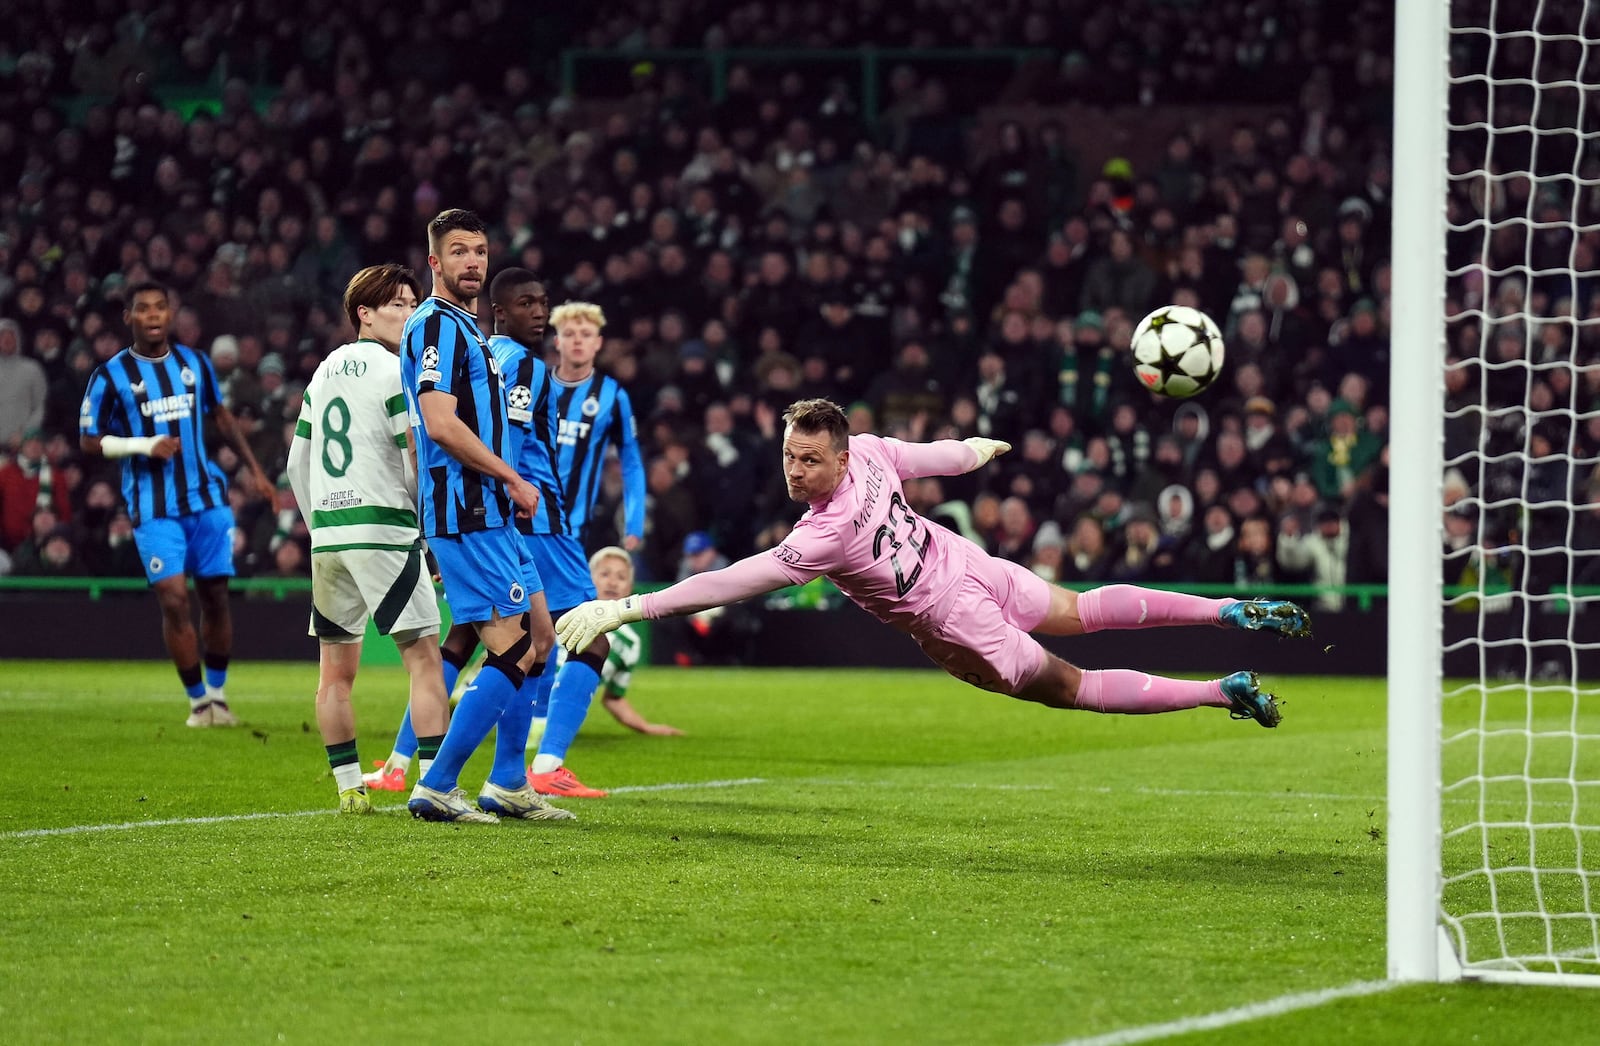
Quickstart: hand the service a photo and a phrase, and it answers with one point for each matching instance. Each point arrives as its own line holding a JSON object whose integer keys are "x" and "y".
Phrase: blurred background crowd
{"x": 946, "y": 243}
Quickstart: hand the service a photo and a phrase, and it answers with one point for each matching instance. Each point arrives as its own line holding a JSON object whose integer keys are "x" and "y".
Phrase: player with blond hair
{"x": 585, "y": 415}
{"x": 612, "y": 569}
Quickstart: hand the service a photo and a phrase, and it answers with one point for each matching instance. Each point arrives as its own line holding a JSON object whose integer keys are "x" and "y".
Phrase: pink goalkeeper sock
{"x": 1136, "y": 693}
{"x": 1128, "y": 606}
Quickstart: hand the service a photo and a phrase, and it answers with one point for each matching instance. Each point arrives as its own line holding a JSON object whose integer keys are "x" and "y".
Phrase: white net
{"x": 1521, "y": 730}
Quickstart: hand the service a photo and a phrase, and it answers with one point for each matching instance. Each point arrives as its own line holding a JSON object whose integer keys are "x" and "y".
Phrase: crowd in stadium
{"x": 936, "y": 277}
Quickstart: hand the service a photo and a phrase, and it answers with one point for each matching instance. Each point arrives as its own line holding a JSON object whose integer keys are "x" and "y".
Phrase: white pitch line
{"x": 678, "y": 786}
{"x": 741, "y": 782}
{"x": 1237, "y": 1015}
{"x": 168, "y": 822}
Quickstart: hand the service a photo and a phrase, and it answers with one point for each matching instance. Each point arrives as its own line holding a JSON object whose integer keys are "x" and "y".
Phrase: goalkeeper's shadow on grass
{"x": 1289, "y": 870}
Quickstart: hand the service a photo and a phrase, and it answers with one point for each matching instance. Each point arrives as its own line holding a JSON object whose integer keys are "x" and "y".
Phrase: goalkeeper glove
{"x": 588, "y": 621}
{"x": 986, "y": 449}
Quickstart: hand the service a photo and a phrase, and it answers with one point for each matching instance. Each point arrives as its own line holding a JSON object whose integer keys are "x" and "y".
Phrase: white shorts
{"x": 389, "y": 585}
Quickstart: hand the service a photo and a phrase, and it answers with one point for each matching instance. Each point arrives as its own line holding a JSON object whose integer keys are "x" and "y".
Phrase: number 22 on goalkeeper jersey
{"x": 586, "y": 418}
{"x": 349, "y": 465}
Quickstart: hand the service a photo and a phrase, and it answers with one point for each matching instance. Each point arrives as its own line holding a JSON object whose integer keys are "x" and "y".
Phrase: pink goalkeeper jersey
{"x": 894, "y": 564}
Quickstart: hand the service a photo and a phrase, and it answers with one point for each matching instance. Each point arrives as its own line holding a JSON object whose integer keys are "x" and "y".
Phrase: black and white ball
{"x": 1177, "y": 351}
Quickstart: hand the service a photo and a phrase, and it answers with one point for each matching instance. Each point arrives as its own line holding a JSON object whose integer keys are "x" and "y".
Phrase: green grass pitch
{"x": 878, "y": 857}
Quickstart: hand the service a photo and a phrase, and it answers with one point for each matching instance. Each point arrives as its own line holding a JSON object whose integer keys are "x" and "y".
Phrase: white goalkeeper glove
{"x": 586, "y": 622}
{"x": 987, "y": 449}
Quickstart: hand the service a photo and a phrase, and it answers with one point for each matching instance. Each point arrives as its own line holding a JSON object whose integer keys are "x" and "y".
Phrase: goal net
{"x": 1495, "y": 728}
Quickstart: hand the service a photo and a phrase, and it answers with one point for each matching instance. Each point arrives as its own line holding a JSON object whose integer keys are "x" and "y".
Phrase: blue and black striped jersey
{"x": 527, "y": 382}
{"x": 588, "y": 418}
{"x": 443, "y": 350}
{"x": 131, "y": 395}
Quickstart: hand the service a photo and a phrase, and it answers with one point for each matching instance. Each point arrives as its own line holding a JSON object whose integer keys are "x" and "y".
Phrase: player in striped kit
{"x": 146, "y": 406}
{"x": 351, "y": 468}
{"x": 588, "y": 415}
{"x": 469, "y": 497}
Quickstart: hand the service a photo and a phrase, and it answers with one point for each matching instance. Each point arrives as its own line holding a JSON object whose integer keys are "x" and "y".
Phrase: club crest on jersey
{"x": 518, "y": 399}
{"x": 156, "y": 564}
{"x": 591, "y": 407}
{"x": 187, "y": 377}
{"x": 517, "y": 593}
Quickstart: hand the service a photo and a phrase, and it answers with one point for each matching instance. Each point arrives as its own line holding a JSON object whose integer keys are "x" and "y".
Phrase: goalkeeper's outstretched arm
{"x": 943, "y": 457}
{"x": 754, "y": 576}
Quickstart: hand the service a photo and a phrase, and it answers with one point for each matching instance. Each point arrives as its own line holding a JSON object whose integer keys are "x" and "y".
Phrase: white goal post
{"x": 1493, "y": 732}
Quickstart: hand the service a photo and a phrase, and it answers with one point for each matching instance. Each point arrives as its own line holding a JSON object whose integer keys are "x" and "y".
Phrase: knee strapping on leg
{"x": 507, "y": 661}
{"x": 594, "y": 661}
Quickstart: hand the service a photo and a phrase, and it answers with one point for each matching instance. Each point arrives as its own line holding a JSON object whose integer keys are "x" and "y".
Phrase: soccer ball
{"x": 1177, "y": 351}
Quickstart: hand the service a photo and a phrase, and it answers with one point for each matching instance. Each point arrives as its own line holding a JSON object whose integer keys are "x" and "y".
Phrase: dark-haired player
{"x": 469, "y": 496}
{"x": 146, "y": 406}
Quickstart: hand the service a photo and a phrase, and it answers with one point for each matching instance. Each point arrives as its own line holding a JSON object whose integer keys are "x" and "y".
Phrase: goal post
{"x": 1416, "y": 444}
{"x": 1493, "y": 731}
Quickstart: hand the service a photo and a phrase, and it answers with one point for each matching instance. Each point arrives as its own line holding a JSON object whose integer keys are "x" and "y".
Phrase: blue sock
{"x": 542, "y": 686}
{"x": 195, "y": 690}
{"x": 452, "y": 673}
{"x": 569, "y": 704}
{"x": 405, "y": 742}
{"x": 511, "y": 737}
{"x": 216, "y": 672}
{"x": 474, "y": 717}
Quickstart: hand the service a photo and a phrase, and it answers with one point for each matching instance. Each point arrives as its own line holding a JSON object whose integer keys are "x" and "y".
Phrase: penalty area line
{"x": 1253, "y": 1011}
{"x": 169, "y": 822}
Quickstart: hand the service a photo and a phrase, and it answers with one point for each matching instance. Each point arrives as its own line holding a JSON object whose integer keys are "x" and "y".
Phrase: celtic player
{"x": 355, "y": 480}
{"x": 612, "y": 569}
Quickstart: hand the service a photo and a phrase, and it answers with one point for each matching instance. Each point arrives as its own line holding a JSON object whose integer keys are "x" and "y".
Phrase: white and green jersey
{"x": 350, "y": 469}
{"x": 615, "y": 674}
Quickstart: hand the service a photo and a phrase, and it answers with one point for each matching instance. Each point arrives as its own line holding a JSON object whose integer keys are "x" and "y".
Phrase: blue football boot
{"x": 1268, "y": 615}
{"x": 1243, "y": 689}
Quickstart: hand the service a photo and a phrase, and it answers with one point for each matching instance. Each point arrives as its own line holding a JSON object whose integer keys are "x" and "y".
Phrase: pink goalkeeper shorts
{"x": 984, "y": 640}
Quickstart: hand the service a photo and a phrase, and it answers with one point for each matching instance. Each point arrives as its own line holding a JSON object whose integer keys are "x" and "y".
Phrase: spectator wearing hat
{"x": 700, "y": 554}
{"x": 23, "y": 388}
{"x": 1084, "y": 369}
{"x": 1320, "y": 557}
{"x": 1339, "y": 458}
{"x": 1146, "y": 554}
{"x": 1355, "y": 259}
